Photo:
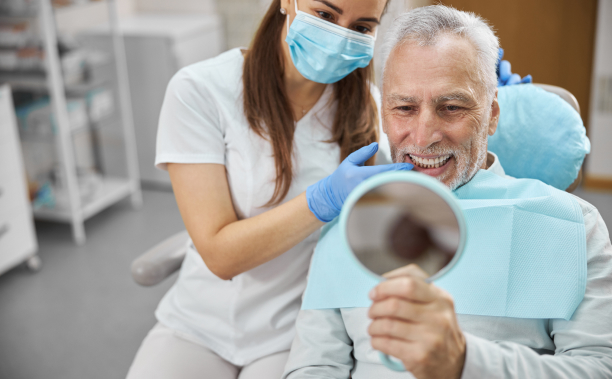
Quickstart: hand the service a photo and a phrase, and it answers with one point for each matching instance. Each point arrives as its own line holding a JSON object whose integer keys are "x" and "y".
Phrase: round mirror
{"x": 399, "y": 223}
{"x": 396, "y": 219}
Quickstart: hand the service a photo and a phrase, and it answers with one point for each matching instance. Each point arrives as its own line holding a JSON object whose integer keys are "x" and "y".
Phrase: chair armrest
{"x": 576, "y": 183}
{"x": 160, "y": 261}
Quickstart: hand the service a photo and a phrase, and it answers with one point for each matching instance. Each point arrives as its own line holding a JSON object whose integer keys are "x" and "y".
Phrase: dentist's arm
{"x": 230, "y": 246}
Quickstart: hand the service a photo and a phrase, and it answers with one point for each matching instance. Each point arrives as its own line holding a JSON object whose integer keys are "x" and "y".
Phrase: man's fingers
{"x": 399, "y": 348}
{"x": 391, "y": 346}
{"x": 400, "y": 310}
{"x": 406, "y": 287}
{"x": 388, "y": 327}
{"x": 409, "y": 270}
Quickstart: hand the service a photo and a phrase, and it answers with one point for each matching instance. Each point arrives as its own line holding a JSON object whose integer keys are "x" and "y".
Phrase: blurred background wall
{"x": 552, "y": 40}
{"x": 567, "y": 43}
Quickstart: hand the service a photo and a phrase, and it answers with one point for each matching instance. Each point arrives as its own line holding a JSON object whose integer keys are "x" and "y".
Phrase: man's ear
{"x": 382, "y": 119}
{"x": 381, "y": 116}
{"x": 495, "y": 112}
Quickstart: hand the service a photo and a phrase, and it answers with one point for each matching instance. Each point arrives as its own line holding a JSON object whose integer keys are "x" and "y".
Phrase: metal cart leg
{"x": 126, "y": 105}
{"x": 78, "y": 232}
{"x": 60, "y": 110}
{"x": 34, "y": 263}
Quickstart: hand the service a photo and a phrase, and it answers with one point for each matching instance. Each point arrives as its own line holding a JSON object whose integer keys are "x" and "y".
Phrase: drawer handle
{"x": 1, "y": 191}
{"x": 4, "y": 229}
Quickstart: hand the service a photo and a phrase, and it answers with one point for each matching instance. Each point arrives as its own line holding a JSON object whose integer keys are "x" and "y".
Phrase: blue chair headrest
{"x": 539, "y": 136}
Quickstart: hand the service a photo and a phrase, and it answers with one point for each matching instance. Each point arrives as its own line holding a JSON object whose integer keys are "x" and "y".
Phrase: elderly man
{"x": 440, "y": 103}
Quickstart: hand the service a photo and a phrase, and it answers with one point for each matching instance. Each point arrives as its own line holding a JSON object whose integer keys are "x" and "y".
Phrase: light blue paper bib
{"x": 525, "y": 255}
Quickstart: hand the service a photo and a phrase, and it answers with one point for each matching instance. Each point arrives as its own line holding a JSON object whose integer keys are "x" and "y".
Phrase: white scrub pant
{"x": 164, "y": 354}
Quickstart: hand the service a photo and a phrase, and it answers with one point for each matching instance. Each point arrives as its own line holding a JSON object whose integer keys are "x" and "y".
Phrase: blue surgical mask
{"x": 324, "y": 52}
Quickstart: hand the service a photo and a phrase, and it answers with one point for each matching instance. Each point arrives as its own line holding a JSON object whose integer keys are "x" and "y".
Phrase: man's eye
{"x": 362, "y": 29}
{"x": 325, "y": 15}
{"x": 405, "y": 108}
{"x": 452, "y": 108}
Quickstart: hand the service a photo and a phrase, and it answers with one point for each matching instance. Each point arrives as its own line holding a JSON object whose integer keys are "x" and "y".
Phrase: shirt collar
{"x": 496, "y": 166}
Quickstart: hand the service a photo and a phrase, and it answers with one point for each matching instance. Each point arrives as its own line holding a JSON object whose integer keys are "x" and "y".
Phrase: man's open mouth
{"x": 430, "y": 162}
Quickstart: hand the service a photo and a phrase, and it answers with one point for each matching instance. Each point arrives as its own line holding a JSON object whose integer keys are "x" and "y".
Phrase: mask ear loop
{"x": 288, "y": 17}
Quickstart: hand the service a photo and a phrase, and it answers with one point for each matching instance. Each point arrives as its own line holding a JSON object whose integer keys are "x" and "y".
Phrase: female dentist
{"x": 252, "y": 141}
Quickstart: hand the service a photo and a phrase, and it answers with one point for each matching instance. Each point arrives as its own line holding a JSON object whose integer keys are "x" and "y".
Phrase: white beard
{"x": 480, "y": 142}
{"x": 467, "y": 166}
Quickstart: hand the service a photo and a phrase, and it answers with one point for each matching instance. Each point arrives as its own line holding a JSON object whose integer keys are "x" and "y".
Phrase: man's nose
{"x": 427, "y": 132}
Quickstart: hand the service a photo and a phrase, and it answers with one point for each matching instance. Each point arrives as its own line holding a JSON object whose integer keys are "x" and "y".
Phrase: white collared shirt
{"x": 334, "y": 343}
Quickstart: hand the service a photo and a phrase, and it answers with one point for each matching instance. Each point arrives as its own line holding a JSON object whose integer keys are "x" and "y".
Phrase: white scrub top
{"x": 202, "y": 121}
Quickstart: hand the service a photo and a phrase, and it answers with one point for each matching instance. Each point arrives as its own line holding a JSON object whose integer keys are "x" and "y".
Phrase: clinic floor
{"x": 82, "y": 316}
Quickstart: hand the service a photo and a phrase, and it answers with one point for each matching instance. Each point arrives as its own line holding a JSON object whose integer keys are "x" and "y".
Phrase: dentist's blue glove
{"x": 505, "y": 77}
{"x": 325, "y": 197}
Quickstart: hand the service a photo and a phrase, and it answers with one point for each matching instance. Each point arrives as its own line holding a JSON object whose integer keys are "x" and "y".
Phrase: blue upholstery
{"x": 539, "y": 136}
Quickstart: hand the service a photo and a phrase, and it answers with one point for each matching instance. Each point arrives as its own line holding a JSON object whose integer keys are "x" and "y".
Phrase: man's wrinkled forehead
{"x": 456, "y": 95}
{"x": 441, "y": 71}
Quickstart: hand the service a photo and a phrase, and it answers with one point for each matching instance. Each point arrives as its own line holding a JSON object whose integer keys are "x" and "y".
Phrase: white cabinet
{"x": 157, "y": 46}
{"x": 17, "y": 235}
{"x": 76, "y": 200}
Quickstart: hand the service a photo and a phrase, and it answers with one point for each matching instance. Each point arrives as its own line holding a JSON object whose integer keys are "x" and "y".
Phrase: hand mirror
{"x": 400, "y": 218}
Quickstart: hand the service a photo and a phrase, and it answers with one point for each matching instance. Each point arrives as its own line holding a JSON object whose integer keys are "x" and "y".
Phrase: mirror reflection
{"x": 397, "y": 224}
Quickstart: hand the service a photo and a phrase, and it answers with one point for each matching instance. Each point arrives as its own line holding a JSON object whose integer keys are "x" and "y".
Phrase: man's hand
{"x": 415, "y": 322}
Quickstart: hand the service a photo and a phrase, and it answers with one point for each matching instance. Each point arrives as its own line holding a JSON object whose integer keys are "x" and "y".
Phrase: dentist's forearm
{"x": 227, "y": 245}
{"x": 243, "y": 245}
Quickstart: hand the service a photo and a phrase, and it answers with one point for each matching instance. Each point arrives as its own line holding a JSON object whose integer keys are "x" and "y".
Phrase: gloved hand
{"x": 505, "y": 77}
{"x": 325, "y": 197}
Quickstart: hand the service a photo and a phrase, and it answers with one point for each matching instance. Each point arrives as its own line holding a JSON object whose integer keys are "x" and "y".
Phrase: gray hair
{"x": 426, "y": 24}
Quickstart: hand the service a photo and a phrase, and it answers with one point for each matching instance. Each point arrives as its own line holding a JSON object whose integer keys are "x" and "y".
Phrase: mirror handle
{"x": 392, "y": 363}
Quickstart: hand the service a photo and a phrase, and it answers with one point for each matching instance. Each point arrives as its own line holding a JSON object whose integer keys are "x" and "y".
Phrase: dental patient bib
{"x": 525, "y": 255}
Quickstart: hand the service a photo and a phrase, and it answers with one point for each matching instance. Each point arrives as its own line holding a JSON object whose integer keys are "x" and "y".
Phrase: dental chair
{"x": 165, "y": 258}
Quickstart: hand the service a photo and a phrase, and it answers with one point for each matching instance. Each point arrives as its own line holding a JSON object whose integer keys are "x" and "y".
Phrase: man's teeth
{"x": 430, "y": 162}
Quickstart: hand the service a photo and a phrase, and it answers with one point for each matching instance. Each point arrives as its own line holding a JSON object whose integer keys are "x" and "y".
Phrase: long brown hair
{"x": 269, "y": 114}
